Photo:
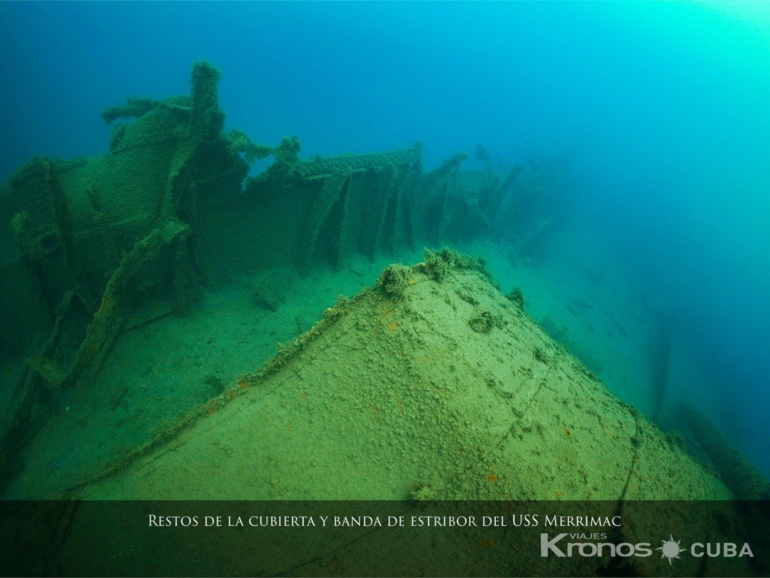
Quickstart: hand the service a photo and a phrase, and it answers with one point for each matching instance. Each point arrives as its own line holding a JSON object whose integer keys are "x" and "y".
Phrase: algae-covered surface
{"x": 149, "y": 289}
{"x": 444, "y": 391}
{"x": 159, "y": 372}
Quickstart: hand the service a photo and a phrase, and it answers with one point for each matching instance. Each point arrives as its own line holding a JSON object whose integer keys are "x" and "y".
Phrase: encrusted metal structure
{"x": 93, "y": 246}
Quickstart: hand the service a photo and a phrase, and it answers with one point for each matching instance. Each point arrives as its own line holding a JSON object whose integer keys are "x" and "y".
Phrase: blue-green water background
{"x": 663, "y": 109}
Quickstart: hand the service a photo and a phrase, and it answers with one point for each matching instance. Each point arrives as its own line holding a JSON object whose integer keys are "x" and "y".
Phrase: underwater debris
{"x": 516, "y": 296}
{"x": 30, "y": 248}
{"x": 302, "y": 324}
{"x": 287, "y": 152}
{"x": 206, "y": 115}
{"x": 743, "y": 479}
{"x": 541, "y": 356}
{"x": 465, "y": 296}
{"x": 675, "y": 439}
{"x": 435, "y": 266}
{"x": 48, "y": 369}
{"x": 204, "y": 220}
{"x": 482, "y": 156}
{"x": 394, "y": 280}
{"x": 151, "y": 195}
{"x": 115, "y": 241}
{"x": 448, "y": 167}
{"x": 659, "y": 358}
{"x": 241, "y": 143}
{"x": 266, "y": 296}
{"x": 618, "y": 326}
{"x": 333, "y": 194}
{"x": 461, "y": 213}
{"x": 482, "y": 323}
{"x": 134, "y": 108}
{"x": 582, "y": 305}
{"x": 284, "y": 170}
{"x": 332, "y": 314}
{"x": 491, "y": 200}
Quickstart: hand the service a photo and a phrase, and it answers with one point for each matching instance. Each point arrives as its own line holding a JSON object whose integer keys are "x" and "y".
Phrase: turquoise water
{"x": 650, "y": 120}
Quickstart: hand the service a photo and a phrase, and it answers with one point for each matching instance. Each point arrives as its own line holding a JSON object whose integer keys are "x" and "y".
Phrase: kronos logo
{"x": 669, "y": 550}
